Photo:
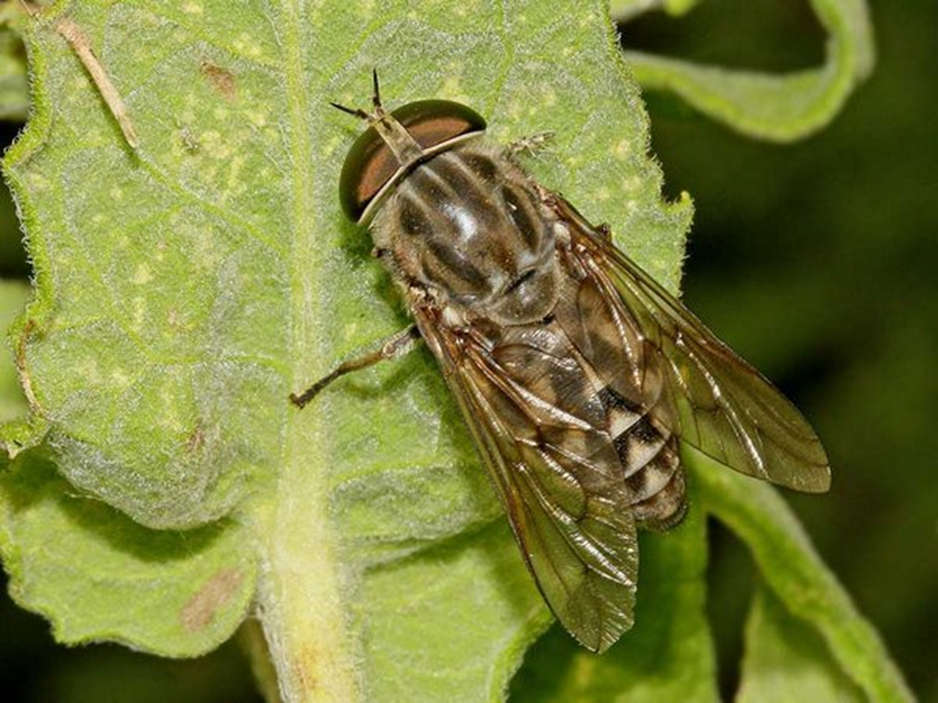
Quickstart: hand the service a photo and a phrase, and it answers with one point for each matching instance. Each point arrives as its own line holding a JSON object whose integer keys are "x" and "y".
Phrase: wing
{"x": 717, "y": 402}
{"x": 555, "y": 476}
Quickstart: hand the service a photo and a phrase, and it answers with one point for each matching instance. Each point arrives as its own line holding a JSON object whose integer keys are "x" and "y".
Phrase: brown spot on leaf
{"x": 28, "y": 327}
{"x": 196, "y": 439}
{"x": 200, "y": 609}
{"x": 220, "y": 78}
{"x": 26, "y": 382}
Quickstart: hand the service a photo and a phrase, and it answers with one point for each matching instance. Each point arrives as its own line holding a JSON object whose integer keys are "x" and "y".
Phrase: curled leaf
{"x": 786, "y": 660}
{"x": 779, "y": 108}
{"x": 793, "y": 570}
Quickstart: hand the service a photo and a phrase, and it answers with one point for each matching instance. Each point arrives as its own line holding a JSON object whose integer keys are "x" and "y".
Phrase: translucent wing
{"x": 718, "y": 402}
{"x": 554, "y": 473}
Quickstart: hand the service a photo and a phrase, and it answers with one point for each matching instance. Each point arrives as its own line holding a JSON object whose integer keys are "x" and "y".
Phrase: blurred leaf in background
{"x": 816, "y": 261}
{"x": 775, "y": 105}
{"x": 13, "y": 105}
{"x": 14, "y": 84}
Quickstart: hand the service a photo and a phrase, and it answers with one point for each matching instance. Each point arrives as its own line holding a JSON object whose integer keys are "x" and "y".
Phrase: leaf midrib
{"x": 301, "y": 599}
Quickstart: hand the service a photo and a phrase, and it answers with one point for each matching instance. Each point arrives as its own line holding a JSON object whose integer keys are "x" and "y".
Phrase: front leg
{"x": 392, "y": 348}
{"x": 530, "y": 145}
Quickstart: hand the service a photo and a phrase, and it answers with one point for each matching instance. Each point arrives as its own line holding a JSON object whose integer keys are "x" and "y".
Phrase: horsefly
{"x": 579, "y": 376}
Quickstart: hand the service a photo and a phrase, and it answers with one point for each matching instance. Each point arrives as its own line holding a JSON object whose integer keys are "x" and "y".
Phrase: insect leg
{"x": 392, "y": 348}
{"x": 531, "y": 144}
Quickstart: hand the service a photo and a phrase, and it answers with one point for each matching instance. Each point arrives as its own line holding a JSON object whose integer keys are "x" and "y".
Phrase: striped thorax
{"x": 466, "y": 225}
{"x": 453, "y": 213}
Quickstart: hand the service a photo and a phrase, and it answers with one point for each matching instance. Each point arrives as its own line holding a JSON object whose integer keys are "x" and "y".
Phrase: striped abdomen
{"x": 469, "y": 225}
{"x": 581, "y": 419}
{"x": 613, "y": 360}
{"x": 650, "y": 461}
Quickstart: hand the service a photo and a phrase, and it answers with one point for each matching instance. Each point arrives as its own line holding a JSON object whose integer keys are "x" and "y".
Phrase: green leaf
{"x": 13, "y": 295}
{"x": 778, "y": 108}
{"x": 14, "y": 87}
{"x": 405, "y": 603}
{"x": 185, "y": 288}
{"x": 795, "y": 573}
{"x": 786, "y": 661}
{"x": 95, "y": 574}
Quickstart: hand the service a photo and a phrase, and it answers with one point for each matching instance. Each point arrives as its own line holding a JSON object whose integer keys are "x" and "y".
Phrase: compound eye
{"x": 370, "y": 166}
{"x": 437, "y": 123}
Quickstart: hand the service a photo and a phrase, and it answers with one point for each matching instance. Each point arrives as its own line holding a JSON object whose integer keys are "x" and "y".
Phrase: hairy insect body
{"x": 467, "y": 225}
{"x": 469, "y": 228}
{"x": 577, "y": 374}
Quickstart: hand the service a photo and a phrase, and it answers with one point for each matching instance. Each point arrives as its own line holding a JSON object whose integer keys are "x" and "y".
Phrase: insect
{"x": 578, "y": 375}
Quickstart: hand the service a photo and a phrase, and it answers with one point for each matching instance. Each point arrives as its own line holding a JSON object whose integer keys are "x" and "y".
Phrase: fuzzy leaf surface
{"x": 185, "y": 288}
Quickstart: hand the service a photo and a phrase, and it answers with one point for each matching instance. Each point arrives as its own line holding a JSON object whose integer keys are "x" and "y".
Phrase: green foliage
{"x": 98, "y": 575}
{"x": 782, "y": 107}
{"x": 185, "y": 288}
{"x": 791, "y": 568}
{"x": 14, "y": 88}
{"x": 13, "y": 296}
{"x": 787, "y": 661}
{"x": 622, "y": 10}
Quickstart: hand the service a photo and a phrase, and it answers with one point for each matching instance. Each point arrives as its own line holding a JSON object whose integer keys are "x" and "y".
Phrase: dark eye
{"x": 371, "y": 165}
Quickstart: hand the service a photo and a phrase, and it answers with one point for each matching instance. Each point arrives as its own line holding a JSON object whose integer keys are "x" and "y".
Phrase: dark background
{"x": 815, "y": 260}
{"x": 818, "y": 262}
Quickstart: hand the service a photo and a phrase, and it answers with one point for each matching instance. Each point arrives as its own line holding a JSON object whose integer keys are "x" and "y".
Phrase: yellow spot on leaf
{"x": 631, "y": 183}
{"x": 452, "y": 86}
{"x": 257, "y": 118}
{"x": 142, "y": 275}
{"x": 234, "y": 175}
{"x": 91, "y": 372}
{"x": 139, "y": 311}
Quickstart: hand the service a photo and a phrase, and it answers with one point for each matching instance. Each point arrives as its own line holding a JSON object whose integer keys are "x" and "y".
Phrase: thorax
{"x": 468, "y": 225}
